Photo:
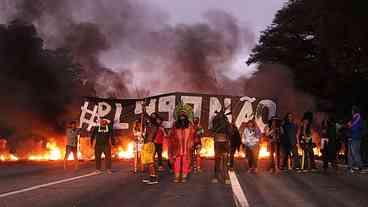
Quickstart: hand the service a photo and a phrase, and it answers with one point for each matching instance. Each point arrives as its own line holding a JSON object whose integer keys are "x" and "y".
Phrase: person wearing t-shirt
{"x": 102, "y": 139}
{"x": 72, "y": 135}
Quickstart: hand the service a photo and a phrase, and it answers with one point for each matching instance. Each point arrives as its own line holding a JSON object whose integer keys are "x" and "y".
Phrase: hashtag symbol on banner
{"x": 88, "y": 116}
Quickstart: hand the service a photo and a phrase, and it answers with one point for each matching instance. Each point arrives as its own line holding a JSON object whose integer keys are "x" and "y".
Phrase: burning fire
{"x": 8, "y": 157}
{"x": 4, "y": 154}
{"x": 207, "y": 147}
{"x": 263, "y": 151}
{"x": 127, "y": 153}
{"x": 53, "y": 153}
{"x": 208, "y": 151}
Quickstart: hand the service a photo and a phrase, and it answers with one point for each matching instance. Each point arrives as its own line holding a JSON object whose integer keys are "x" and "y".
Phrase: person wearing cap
{"x": 72, "y": 135}
{"x": 102, "y": 139}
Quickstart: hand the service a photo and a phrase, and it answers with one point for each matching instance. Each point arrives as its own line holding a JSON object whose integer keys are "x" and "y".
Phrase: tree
{"x": 324, "y": 43}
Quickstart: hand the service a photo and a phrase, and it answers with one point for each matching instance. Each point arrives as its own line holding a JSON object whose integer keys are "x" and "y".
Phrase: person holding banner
{"x": 72, "y": 135}
{"x": 102, "y": 139}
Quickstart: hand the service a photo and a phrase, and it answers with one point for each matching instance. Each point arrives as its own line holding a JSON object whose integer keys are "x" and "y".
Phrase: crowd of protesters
{"x": 291, "y": 145}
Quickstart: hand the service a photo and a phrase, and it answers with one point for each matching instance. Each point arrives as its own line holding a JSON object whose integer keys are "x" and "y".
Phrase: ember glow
{"x": 126, "y": 152}
{"x": 207, "y": 147}
{"x": 263, "y": 151}
{"x": 8, "y": 157}
{"x": 53, "y": 152}
{"x": 5, "y": 155}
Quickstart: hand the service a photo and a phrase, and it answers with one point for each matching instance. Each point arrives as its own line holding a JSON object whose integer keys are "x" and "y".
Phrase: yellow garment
{"x": 148, "y": 153}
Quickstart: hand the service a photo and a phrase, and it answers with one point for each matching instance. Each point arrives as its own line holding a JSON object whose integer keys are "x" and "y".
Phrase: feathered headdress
{"x": 186, "y": 109}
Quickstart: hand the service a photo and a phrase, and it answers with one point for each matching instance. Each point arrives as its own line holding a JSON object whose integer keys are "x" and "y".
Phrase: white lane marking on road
{"x": 238, "y": 193}
{"x": 3, "y": 195}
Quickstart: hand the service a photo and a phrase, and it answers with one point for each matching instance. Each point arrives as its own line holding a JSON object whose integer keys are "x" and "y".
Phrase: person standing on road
{"x": 235, "y": 143}
{"x": 306, "y": 143}
{"x": 197, "y": 145}
{"x": 138, "y": 133}
{"x": 329, "y": 145}
{"x": 183, "y": 134}
{"x": 148, "y": 160}
{"x": 288, "y": 143}
{"x": 72, "y": 135}
{"x": 274, "y": 132}
{"x": 251, "y": 139}
{"x": 102, "y": 139}
{"x": 354, "y": 157}
{"x": 159, "y": 141}
{"x": 221, "y": 130}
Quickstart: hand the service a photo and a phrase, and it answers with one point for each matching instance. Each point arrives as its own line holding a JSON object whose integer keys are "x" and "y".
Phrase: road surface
{"x": 21, "y": 185}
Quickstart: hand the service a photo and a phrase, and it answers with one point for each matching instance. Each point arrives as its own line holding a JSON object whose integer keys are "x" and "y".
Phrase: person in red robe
{"x": 182, "y": 134}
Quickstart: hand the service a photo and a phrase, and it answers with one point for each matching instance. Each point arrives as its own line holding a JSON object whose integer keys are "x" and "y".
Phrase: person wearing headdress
{"x": 182, "y": 135}
{"x": 221, "y": 128}
{"x": 102, "y": 139}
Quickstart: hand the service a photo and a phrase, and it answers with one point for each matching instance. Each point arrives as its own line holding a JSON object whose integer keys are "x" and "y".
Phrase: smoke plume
{"x": 127, "y": 48}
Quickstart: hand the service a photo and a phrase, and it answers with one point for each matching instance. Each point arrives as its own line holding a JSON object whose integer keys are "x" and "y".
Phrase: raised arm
{"x": 93, "y": 135}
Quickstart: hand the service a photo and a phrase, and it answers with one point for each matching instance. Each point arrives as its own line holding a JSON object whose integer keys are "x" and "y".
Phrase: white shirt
{"x": 251, "y": 136}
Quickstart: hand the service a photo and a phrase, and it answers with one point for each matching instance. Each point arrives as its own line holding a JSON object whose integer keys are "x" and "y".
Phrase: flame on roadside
{"x": 127, "y": 152}
{"x": 263, "y": 151}
{"x": 208, "y": 146}
{"x": 4, "y": 154}
{"x": 8, "y": 157}
{"x": 53, "y": 152}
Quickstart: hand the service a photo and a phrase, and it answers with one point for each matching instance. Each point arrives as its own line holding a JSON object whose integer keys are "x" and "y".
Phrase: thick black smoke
{"x": 126, "y": 48}
{"x": 38, "y": 87}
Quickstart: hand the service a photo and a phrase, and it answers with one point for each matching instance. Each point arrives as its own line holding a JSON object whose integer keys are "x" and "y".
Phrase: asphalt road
{"x": 123, "y": 188}
{"x": 318, "y": 189}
